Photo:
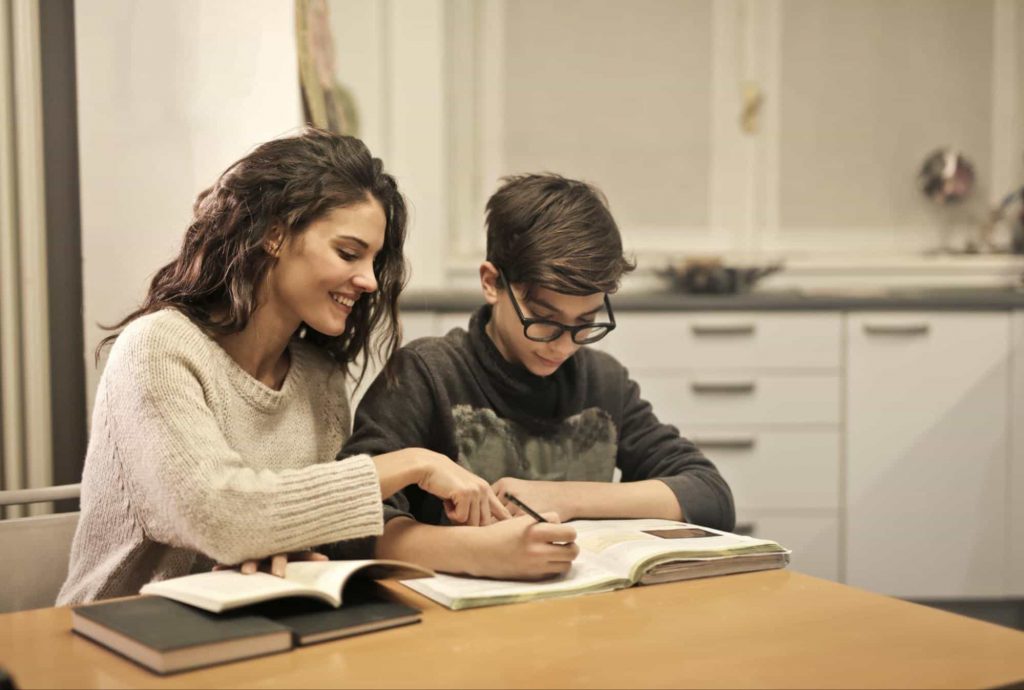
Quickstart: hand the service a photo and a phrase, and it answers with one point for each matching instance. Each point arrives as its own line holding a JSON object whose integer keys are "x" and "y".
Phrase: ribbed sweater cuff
{"x": 344, "y": 504}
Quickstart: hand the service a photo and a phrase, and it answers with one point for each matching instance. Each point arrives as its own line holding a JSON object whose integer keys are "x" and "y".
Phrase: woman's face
{"x": 321, "y": 272}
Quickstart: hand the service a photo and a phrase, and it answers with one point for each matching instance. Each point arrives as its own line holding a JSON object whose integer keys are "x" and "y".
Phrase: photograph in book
{"x": 615, "y": 554}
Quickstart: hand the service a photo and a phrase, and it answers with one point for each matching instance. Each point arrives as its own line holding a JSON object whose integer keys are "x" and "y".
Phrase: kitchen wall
{"x": 845, "y": 99}
{"x": 644, "y": 102}
{"x": 169, "y": 94}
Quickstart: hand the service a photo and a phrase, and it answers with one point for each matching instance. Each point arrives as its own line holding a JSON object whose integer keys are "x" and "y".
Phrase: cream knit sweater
{"x": 190, "y": 458}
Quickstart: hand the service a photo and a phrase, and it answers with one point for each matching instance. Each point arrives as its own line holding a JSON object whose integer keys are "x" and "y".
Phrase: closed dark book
{"x": 166, "y": 636}
{"x": 314, "y": 621}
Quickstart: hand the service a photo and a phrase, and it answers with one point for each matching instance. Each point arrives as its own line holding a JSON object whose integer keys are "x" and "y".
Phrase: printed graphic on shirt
{"x": 583, "y": 448}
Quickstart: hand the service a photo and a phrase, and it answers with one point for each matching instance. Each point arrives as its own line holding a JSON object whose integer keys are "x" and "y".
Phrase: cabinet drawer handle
{"x": 896, "y": 328}
{"x": 747, "y": 529}
{"x": 722, "y": 329}
{"x": 737, "y": 442}
{"x": 722, "y": 386}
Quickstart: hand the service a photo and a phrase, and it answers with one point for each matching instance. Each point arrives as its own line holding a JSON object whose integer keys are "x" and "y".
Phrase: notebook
{"x": 166, "y": 636}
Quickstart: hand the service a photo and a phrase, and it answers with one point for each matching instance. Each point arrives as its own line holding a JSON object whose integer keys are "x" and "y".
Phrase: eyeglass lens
{"x": 546, "y": 332}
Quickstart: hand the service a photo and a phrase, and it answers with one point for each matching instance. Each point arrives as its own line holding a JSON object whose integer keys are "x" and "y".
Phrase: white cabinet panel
{"x": 446, "y": 322}
{"x": 734, "y": 340}
{"x": 834, "y": 80}
{"x": 927, "y": 444}
{"x": 418, "y": 324}
{"x": 1015, "y": 517}
{"x": 736, "y": 399}
{"x": 813, "y": 539}
{"x": 559, "y": 69}
{"x": 775, "y": 469}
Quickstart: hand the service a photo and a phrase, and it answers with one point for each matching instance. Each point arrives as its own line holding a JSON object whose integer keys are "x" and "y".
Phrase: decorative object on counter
{"x": 946, "y": 176}
{"x": 1011, "y": 210}
{"x": 711, "y": 275}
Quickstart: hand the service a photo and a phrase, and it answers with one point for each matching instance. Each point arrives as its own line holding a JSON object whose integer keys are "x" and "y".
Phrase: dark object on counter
{"x": 1012, "y": 208}
{"x": 712, "y": 277}
{"x": 6, "y": 682}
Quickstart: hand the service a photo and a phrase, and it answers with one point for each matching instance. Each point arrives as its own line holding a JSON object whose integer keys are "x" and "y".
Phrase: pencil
{"x": 526, "y": 509}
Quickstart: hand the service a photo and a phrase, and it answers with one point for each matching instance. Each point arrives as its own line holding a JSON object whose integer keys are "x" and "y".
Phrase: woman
{"x": 224, "y": 398}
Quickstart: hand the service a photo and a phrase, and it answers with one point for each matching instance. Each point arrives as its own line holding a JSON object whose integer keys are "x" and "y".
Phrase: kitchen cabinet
{"x": 927, "y": 439}
{"x": 761, "y": 395}
{"x": 879, "y": 446}
{"x": 804, "y": 122}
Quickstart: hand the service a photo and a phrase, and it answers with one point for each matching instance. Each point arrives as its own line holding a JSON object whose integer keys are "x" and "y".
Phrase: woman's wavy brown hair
{"x": 284, "y": 184}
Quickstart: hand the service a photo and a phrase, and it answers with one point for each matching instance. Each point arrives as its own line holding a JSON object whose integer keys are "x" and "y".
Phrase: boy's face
{"x": 506, "y": 330}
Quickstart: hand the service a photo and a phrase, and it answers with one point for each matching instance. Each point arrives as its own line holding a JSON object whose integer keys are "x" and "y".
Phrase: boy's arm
{"x": 395, "y": 416}
{"x": 663, "y": 476}
{"x": 389, "y": 418}
{"x": 650, "y": 450}
{"x": 650, "y": 498}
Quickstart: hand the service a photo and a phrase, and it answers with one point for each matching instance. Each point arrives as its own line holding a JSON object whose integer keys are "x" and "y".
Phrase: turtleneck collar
{"x": 515, "y": 391}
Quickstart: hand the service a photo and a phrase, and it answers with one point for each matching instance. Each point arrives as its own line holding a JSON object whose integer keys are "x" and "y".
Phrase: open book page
{"x": 324, "y": 580}
{"x": 629, "y": 548}
{"x": 329, "y": 577}
{"x": 227, "y": 589}
{"x": 615, "y": 554}
{"x": 466, "y": 592}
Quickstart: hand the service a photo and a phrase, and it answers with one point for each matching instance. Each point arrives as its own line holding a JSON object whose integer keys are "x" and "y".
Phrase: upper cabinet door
{"x": 795, "y": 127}
{"x": 927, "y": 453}
{"x": 861, "y": 91}
{"x": 622, "y": 95}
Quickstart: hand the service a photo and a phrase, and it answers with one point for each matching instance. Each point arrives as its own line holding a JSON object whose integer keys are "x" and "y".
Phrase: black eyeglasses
{"x": 544, "y": 331}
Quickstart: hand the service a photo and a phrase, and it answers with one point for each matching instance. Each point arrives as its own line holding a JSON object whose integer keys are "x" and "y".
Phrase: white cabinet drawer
{"x": 741, "y": 340}
{"x": 690, "y": 400}
{"x": 775, "y": 469}
{"x": 813, "y": 539}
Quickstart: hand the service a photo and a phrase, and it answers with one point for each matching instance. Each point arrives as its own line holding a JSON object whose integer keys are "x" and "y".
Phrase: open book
{"x": 615, "y": 554}
{"x": 223, "y": 590}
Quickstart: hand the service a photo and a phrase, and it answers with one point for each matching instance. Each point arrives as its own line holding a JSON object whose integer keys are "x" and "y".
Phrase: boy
{"x": 519, "y": 401}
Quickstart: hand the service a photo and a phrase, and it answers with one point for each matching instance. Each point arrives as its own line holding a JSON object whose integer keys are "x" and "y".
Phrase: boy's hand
{"x": 540, "y": 495}
{"x": 523, "y": 549}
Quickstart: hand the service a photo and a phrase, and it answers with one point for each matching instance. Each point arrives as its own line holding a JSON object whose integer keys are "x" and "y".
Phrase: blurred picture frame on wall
{"x": 326, "y": 103}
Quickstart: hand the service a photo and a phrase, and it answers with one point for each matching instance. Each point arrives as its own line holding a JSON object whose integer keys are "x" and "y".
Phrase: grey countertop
{"x": 902, "y": 299}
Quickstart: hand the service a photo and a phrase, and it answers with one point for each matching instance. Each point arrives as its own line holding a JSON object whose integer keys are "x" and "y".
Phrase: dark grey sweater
{"x": 458, "y": 396}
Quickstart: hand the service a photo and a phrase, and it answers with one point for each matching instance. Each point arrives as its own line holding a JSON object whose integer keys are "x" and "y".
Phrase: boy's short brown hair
{"x": 552, "y": 232}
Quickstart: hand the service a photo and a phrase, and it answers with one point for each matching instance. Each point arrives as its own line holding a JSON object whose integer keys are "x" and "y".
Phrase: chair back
{"x": 35, "y": 550}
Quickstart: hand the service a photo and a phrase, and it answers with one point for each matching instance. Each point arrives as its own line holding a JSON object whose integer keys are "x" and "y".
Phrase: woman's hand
{"x": 468, "y": 499}
{"x": 523, "y": 549}
{"x": 274, "y": 564}
{"x": 542, "y": 496}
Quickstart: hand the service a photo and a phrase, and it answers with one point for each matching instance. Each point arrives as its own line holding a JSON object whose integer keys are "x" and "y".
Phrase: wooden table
{"x": 768, "y": 629}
